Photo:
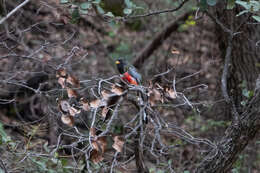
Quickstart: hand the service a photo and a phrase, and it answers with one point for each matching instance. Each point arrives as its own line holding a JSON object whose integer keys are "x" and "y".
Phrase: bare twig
{"x": 13, "y": 11}
{"x": 2, "y": 164}
{"x": 158, "y": 12}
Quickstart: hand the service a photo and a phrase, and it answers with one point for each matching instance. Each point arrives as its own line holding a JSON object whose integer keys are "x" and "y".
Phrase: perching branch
{"x": 13, "y": 11}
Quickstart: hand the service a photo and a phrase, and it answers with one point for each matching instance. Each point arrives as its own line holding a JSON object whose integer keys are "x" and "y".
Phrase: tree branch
{"x": 157, "y": 12}
{"x": 158, "y": 40}
{"x": 235, "y": 140}
{"x": 13, "y": 11}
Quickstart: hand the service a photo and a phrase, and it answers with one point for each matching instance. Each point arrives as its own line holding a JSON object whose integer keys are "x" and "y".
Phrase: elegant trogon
{"x": 129, "y": 72}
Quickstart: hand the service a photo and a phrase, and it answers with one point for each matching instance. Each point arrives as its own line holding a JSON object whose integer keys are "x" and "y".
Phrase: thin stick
{"x": 13, "y": 11}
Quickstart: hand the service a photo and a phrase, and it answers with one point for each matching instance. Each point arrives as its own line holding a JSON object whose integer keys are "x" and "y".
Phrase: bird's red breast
{"x": 127, "y": 77}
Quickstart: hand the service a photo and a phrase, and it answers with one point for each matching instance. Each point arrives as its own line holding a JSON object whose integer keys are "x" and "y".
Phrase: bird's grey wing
{"x": 133, "y": 72}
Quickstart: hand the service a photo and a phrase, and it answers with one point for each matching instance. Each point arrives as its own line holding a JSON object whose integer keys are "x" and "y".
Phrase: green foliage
{"x": 230, "y": 4}
{"x": 248, "y": 94}
{"x": 188, "y": 23}
{"x": 64, "y": 1}
{"x": 75, "y": 16}
{"x": 250, "y": 6}
{"x": 211, "y": 2}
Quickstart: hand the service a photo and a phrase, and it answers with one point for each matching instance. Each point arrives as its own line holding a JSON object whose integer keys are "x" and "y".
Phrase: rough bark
{"x": 245, "y": 53}
{"x": 235, "y": 140}
{"x": 242, "y": 67}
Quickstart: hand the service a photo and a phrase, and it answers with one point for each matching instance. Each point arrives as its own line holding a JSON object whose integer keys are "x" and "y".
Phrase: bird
{"x": 129, "y": 72}
{"x": 131, "y": 76}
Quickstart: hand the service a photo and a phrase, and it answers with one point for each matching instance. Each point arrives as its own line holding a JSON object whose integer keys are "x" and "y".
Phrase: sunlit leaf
{"x": 211, "y": 2}
{"x": 257, "y": 18}
{"x": 85, "y": 6}
{"x": 64, "y": 1}
{"x": 109, "y": 14}
{"x": 127, "y": 11}
{"x": 246, "y": 5}
{"x": 96, "y": 1}
{"x": 230, "y": 4}
{"x": 242, "y": 12}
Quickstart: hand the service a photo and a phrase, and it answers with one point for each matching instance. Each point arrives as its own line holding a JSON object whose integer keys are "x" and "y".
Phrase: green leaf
{"x": 100, "y": 10}
{"x": 109, "y": 14}
{"x": 257, "y": 18}
{"x": 242, "y": 12}
{"x": 64, "y": 1}
{"x": 75, "y": 16}
{"x": 203, "y": 5}
{"x": 85, "y": 6}
{"x": 96, "y": 2}
{"x": 230, "y": 4}
{"x": 246, "y": 5}
{"x": 127, "y": 11}
{"x": 129, "y": 3}
{"x": 211, "y": 2}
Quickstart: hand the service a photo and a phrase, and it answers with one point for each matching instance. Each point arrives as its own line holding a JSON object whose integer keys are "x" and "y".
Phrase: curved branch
{"x": 13, "y": 11}
{"x": 157, "y": 12}
{"x": 158, "y": 39}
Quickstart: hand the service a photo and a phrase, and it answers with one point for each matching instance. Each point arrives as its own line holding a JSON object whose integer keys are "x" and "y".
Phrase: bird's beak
{"x": 117, "y": 62}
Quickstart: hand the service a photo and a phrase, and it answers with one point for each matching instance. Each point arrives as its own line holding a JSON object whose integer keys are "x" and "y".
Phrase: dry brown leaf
{"x": 92, "y": 132}
{"x": 104, "y": 111}
{"x": 95, "y": 103}
{"x": 117, "y": 90}
{"x": 99, "y": 144}
{"x": 102, "y": 142}
{"x": 73, "y": 81}
{"x": 62, "y": 82}
{"x": 61, "y": 73}
{"x": 175, "y": 51}
{"x": 118, "y": 143}
{"x": 105, "y": 94}
{"x": 72, "y": 93}
{"x": 85, "y": 104}
{"x": 96, "y": 156}
{"x": 67, "y": 119}
{"x": 171, "y": 93}
{"x": 73, "y": 111}
{"x": 154, "y": 96}
{"x": 63, "y": 106}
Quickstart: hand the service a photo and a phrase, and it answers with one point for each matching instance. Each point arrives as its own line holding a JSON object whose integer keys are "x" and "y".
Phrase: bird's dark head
{"x": 120, "y": 66}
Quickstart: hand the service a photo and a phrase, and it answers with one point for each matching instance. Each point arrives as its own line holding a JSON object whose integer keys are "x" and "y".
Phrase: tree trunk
{"x": 245, "y": 54}
{"x": 242, "y": 69}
